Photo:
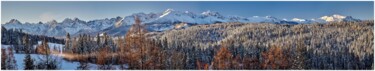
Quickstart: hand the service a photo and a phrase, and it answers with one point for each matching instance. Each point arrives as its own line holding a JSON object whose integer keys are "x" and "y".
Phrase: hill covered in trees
{"x": 336, "y": 45}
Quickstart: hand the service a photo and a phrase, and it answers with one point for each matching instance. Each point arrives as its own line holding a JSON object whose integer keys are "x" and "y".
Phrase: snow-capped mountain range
{"x": 154, "y": 22}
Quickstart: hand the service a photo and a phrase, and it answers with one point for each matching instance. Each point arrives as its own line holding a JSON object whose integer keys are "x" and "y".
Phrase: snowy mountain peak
{"x": 118, "y": 17}
{"x": 13, "y": 21}
{"x": 255, "y": 16}
{"x": 271, "y": 17}
{"x": 211, "y": 13}
{"x": 67, "y": 20}
{"x": 298, "y": 20}
{"x": 305, "y": 21}
{"x": 40, "y": 22}
{"x": 168, "y": 10}
{"x": 52, "y": 22}
{"x": 337, "y": 18}
{"x": 75, "y": 20}
{"x": 160, "y": 21}
{"x": 187, "y": 12}
{"x": 118, "y": 21}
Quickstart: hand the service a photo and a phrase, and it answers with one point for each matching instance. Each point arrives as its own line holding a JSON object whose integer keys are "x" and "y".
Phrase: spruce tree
{"x": 28, "y": 61}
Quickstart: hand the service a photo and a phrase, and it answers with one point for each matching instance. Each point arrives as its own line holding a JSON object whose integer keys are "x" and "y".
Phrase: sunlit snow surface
{"x": 63, "y": 64}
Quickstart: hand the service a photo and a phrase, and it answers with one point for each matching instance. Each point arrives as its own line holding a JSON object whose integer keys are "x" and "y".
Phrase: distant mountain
{"x": 169, "y": 19}
{"x": 338, "y": 18}
{"x": 325, "y": 19}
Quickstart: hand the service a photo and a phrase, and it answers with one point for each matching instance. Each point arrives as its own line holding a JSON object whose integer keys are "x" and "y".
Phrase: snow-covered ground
{"x": 63, "y": 64}
{"x": 52, "y": 45}
{"x": 66, "y": 65}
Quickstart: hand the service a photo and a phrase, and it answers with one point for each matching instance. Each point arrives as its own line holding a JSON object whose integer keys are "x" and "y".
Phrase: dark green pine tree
{"x": 28, "y": 61}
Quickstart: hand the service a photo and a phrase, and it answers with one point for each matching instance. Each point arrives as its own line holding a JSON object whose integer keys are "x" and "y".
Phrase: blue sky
{"x": 45, "y": 11}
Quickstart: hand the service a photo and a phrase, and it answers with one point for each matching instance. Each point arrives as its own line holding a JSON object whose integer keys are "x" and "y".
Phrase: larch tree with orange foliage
{"x": 140, "y": 52}
{"x": 274, "y": 58}
{"x": 133, "y": 45}
{"x": 237, "y": 63}
{"x": 223, "y": 58}
{"x": 251, "y": 62}
{"x": 202, "y": 66}
{"x": 102, "y": 59}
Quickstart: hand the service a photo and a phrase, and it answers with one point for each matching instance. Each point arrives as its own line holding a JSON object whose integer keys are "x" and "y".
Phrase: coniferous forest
{"x": 220, "y": 46}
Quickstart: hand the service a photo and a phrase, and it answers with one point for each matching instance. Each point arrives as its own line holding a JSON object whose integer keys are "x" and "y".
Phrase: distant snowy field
{"x": 64, "y": 65}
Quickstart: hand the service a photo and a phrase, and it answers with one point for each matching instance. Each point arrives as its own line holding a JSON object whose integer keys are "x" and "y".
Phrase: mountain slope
{"x": 154, "y": 22}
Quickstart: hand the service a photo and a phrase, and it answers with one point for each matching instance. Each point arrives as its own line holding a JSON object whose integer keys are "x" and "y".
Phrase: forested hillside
{"x": 249, "y": 46}
{"x": 336, "y": 45}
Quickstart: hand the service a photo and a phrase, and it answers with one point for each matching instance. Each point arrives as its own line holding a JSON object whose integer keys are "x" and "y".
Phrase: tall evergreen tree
{"x": 28, "y": 61}
{"x": 67, "y": 42}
